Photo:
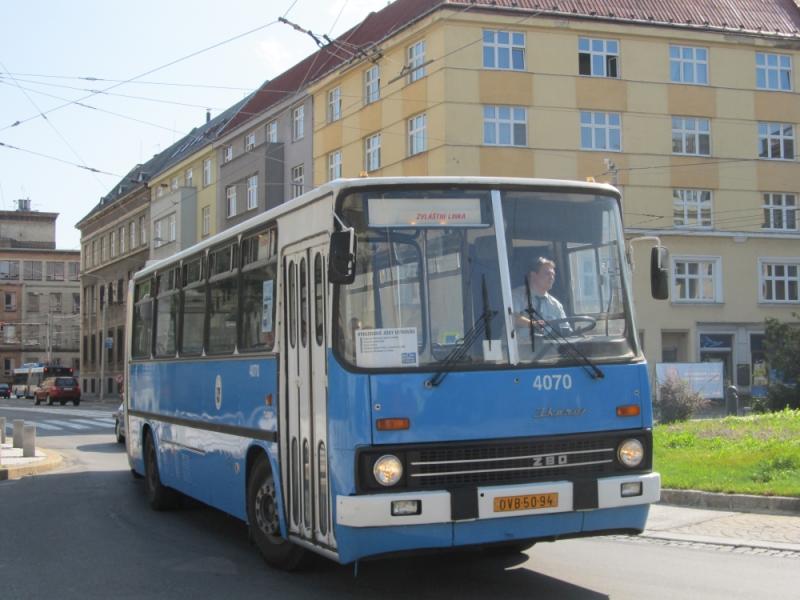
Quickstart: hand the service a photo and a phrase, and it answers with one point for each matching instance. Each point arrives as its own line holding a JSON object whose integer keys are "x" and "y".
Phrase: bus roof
{"x": 333, "y": 187}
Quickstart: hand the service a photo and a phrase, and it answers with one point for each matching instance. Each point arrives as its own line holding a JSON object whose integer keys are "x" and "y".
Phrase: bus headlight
{"x": 630, "y": 452}
{"x": 387, "y": 470}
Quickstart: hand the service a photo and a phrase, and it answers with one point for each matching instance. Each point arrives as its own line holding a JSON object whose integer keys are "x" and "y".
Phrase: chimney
{"x": 24, "y": 204}
{"x": 208, "y": 115}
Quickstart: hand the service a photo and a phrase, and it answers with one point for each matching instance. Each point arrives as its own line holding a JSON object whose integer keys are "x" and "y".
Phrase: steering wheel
{"x": 580, "y": 324}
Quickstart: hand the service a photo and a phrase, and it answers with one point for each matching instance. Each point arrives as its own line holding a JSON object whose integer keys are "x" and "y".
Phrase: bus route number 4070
{"x": 552, "y": 382}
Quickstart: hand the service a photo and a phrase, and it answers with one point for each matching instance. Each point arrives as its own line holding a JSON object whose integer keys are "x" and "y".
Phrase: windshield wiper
{"x": 484, "y": 323}
{"x": 550, "y": 331}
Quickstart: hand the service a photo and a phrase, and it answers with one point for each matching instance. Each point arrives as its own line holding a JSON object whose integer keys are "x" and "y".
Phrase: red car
{"x": 58, "y": 389}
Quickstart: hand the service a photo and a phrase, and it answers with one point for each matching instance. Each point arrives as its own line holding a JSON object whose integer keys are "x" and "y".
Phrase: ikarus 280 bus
{"x": 388, "y": 365}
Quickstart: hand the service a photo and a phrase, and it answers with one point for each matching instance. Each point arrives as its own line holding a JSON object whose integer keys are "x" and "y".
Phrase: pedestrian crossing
{"x": 60, "y": 422}
{"x": 67, "y": 425}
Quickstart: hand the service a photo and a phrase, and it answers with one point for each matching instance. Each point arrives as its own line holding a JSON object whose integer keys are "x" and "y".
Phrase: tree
{"x": 782, "y": 347}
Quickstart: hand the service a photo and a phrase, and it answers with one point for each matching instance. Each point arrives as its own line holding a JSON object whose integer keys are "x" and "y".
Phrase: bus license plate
{"x": 526, "y": 502}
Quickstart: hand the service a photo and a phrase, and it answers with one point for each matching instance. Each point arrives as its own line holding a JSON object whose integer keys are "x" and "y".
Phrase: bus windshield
{"x": 434, "y": 282}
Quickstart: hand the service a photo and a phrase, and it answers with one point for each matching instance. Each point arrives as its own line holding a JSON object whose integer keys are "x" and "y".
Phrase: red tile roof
{"x": 779, "y": 18}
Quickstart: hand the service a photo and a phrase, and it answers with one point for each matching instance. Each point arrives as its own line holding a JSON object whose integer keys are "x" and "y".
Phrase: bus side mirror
{"x": 342, "y": 256}
{"x": 659, "y": 273}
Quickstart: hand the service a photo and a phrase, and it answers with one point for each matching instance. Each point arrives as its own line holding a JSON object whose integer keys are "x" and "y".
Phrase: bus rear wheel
{"x": 263, "y": 521}
{"x": 159, "y": 496}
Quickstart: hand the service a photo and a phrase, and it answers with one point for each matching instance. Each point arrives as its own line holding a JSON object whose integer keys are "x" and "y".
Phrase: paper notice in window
{"x": 376, "y": 348}
{"x": 266, "y": 307}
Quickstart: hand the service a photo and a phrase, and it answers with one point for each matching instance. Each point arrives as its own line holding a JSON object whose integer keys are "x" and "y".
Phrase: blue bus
{"x": 385, "y": 365}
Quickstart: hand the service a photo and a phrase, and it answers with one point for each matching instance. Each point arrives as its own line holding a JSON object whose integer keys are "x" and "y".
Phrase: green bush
{"x": 781, "y": 396}
{"x": 676, "y": 401}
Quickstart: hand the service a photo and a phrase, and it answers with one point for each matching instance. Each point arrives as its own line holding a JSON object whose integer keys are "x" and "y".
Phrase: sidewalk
{"x": 13, "y": 465}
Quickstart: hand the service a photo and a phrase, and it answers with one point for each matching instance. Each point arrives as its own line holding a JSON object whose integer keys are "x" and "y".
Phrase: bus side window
{"x": 224, "y": 300}
{"x": 142, "y": 337}
{"x": 319, "y": 301}
{"x": 166, "y": 329}
{"x": 258, "y": 292}
{"x": 193, "y": 307}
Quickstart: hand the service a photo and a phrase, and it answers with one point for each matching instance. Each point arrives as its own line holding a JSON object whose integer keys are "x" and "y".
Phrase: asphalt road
{"x": 85, "y": 531}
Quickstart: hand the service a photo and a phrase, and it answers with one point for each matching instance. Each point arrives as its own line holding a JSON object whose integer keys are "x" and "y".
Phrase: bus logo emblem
{"x": 218, "y": 392}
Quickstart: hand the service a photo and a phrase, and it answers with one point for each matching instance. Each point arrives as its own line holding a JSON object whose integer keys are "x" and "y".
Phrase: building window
{"x": 113, "y": 244}
{"x": 122, "y": 240}
{"x": 503, "y": 50}
{"x": 158, "y": 240}
{"x": 250, "y": 141}
{"x": 776, "y": 141}
{"x": 505, "y": 125}
{"x": 142, "y": 231}
{"x": 691, "y": 136}
{"x": 598, "y": 58}
{"x": 334, "y": 104}
{"x": 696, "y": 279}
{"x": 230, "y": 200}
{"x": 55, "y": 271}
{"x": 688, "y": 64}
{"x": 272, "y": 132}
{"x": 74, "y": 271}
{"x": 691, "y": 208}
{"x": 55, "y": 302}
{"x": 33, "y": 302}
{"x": 334, "y": 165}
{"x": 417, "y": 134}
{"x": 372, "y": 84}
{"x": 779, "y": 281}
{"x": 206, "y": 220}
{"x": 9, "y": 269}
{"x": 601, "y": 131}
{"x": 416, "y": 61}
{"x": 10, "y": 301}
{"x": 132, "y": 228}
{"x": 207, "y": 172}
{"x": 103, "y": 251}
{"x": 188, "y": 175}
{"x": 252, "y": 192}
{"x": 372, "y": 153}
{"x": 174, "y": 184}
{"x": 298, "y": 178}
{"x": 227, "y": 154}
{"x": 96, "y": 253}
{"x": 76, "y": 303}
{"x": 780, "y": 212}
{"x": 171, "y": 220}
{"x": 298, "y": 123}
{"x": 32, "y": 270}
{"x": 773, "y": 71}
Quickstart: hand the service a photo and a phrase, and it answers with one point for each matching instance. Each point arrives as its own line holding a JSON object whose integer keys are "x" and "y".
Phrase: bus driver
{"x": 534, "y": 300}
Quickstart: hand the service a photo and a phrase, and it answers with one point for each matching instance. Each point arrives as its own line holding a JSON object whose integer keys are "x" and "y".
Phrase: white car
{"x": 119, "y": 424}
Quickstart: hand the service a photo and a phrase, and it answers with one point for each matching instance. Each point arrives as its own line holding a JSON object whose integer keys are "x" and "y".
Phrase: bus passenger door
{"x": 305, "y": 434}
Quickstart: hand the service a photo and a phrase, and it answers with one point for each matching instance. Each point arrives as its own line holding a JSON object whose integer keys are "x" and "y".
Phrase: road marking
{"x": 45, "y": 426}
{"x": 69, "y": 424}
{"x": 95, "y": 422}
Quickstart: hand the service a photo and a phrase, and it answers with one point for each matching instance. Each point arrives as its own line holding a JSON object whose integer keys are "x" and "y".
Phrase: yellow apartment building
{"x": 692, "y": 111}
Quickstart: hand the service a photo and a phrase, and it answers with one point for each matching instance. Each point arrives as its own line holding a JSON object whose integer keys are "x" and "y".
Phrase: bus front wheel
{"x": 263, "y": 522}
{"x": 159, "y": 496}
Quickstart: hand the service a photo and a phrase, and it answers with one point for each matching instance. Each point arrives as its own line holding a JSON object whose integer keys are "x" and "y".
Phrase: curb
{"x": 51, "y": 460}
{"x": 771, "y": 505}
{"x": 691, "y": 538}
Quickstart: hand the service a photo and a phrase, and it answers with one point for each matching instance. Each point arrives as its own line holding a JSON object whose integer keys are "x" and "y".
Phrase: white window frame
{"x": 789, "y": 264}
{"x": 334, "y": 104}
{"x": 298, "y": 180}
{"x": 603, "y": 128}
{"x": 417, "y": 134}
{"x": 690, "y": 130}
{"x": 172, "y": 225}
{"x": 372, "y": 152}
{"x": 272, "y": 132}
{"x": 688, "y": 206}
{"x": 206, "y": 217}
{"x": 598, "y": 48}
{"x": 230, "y": 201}
{"x": 132, "y": 231}
{"x": 113, "y": 244}
{"x": 142, "y": 231}
{"x": 776, "y": 141}
{"x": 298, "y": 123}
{"x": 188, "y": 175}
{"x": 174, "y": 183}
{"x": 227, "y": 154}
{"x": 250, "y": 141}
{"x": 501, "y": 44}
{"x": 780, "y": 209}
{"x": 158, "y": 240}
{"x": 501, "y": 119}
{"x": 774, "y": 72}
{"x": 252, "y": 192}
{"x": 688, "y": 64}
{"x": 334, "y": 165}
{"x": 122, "y": 240}
{"x": 415, "y": 55}
{"x": 206, "y": 172}
{"x": 715, "y": 278}
{"x": 372, "y": 84}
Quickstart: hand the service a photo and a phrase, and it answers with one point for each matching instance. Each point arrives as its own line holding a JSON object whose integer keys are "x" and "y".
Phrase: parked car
{"x": 119, "y": 424}
{"x": 58, "y": 389}
{"x": 5, "y": 390}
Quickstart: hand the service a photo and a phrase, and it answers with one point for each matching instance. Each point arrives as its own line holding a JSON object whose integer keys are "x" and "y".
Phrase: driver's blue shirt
{"x": 546, "y": 306}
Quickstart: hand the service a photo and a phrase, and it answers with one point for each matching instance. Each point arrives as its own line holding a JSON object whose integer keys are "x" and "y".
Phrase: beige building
{"x": 691, "y": 109}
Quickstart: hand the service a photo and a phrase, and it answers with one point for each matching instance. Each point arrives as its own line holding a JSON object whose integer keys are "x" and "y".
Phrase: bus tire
{"x": 159, "y": 496}
{"x": 263, "y": 522}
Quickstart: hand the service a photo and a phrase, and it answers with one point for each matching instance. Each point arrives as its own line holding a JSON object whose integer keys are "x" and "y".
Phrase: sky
{"x": 159, "y": 65}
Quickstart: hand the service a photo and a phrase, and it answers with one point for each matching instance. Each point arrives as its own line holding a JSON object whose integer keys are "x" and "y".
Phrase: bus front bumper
{"x": 493, "y": 502}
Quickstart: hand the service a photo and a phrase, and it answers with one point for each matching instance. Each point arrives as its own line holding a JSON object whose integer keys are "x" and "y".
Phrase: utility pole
{"x": 103, "y": 349}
